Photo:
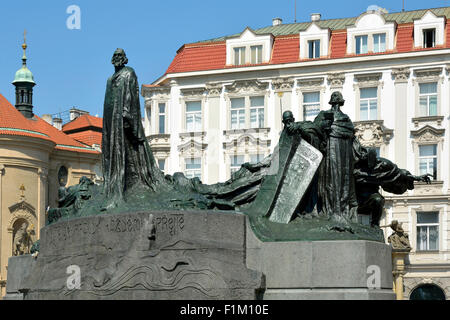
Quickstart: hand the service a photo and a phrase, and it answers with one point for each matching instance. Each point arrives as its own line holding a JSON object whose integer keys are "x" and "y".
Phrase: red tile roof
{"x": 199, "y": 57}
{"x": 88, "y": 137}
{"x": 84, "y": 121}
{"x": 12, "y": 122}
{"x": 338, "y": 44}
{"x": 212, "y": 55}
{"x": 286, "y": 49}
{"x": 405, "y": 39}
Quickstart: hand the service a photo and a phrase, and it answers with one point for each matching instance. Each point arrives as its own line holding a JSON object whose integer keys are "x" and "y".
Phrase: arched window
{"x": 427, "y": 292}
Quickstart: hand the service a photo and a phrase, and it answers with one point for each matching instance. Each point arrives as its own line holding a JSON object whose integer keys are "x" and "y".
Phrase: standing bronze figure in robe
{"x": 127, "y": 159}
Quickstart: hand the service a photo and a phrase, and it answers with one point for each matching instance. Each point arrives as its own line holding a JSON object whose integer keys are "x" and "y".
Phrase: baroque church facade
{"x": 36, "y": 158}
{"x": 220, "y": 102}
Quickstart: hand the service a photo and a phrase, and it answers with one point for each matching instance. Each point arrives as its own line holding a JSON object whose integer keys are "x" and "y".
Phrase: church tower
{"x": 24, "y": 83}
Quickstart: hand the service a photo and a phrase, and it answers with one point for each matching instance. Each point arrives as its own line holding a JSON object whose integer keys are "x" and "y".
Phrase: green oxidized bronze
{"x": 305, "y": 190}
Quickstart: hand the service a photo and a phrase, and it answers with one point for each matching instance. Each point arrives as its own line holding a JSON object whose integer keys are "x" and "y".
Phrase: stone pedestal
{"x": 335, "y": 270}
{"x": 193, "y": 255}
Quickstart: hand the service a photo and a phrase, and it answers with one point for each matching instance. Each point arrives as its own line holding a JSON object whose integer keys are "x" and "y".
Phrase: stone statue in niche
{"x": 22, "y": 240}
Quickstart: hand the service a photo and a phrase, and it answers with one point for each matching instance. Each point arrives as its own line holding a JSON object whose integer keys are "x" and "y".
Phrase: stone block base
{"x": 305, "y": 270}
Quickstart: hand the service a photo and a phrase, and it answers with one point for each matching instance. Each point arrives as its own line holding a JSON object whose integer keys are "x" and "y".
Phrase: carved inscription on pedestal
{"x": 172, "y": 224}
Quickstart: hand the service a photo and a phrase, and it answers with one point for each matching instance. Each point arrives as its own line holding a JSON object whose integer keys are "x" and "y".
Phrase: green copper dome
{"x": 24, "y": 75}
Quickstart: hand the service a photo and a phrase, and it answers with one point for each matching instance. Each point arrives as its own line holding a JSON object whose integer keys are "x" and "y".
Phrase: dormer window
{"x": 429, "y": 38}
{"x": 239, "y": 56}
{"x": 314, "y": 49}
{"x": 379, "y": 42}
{"x": 429, "y": 31}
{"x": 361, "y": 44}
{"x": 249, "y": 48}
{"x": 256, "y": 54}
{"x": 314, "y": 42}
{"x": 371, "y": 34}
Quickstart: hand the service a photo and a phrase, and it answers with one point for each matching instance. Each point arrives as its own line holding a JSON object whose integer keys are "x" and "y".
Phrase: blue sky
{"x": 71, "y": 66}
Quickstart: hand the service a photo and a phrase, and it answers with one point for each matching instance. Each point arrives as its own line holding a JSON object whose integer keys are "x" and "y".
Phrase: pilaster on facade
{"x": 213, "y": 90}
{"x": 336, "y": 81}
{"x": 401, "y": 75}
{"x": 282, "y": 84}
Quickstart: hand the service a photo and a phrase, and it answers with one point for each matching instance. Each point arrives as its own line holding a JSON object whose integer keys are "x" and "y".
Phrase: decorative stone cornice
{"x": 192, "y": 147}
{"x": 428, "y": 134}
{"x": 368, "y": 77}
{"x": 372, "y": 133}
{"x": 311, "y": 82}
{"x": 368, "y": 80}
{"x": 428, "y": 73}
{"x": 246, "y": 140}
{"x": 246, "y": 86}
{"x": 192, "y": 135}
{"x": 2, "y": 169}
{"x": 433, "y": 119}
{"x": 401, "y": 75}
{"x": 151, "y": 92}
{"x": 24, "y": 206}
{"x": 214, "y": 89}
{"x": 159, "y": 142}
{"x": 336, "y": 80}
{"x": 283, "y": 84}
{"x": 192, "y": 92}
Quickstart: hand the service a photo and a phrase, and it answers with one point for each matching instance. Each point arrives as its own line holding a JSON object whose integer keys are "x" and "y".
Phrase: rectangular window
{"x": 162, "y": 118}
{"x": 368, "y": 104}
{"x": 256, "y": 52}
{"x": 428, "y": 160}
{"x": 314, "y": 49}
{"x": 239, "y": 56}
{"x": 311, "y": 105}
{"x": 379, "y": 42}
{"x": 161, "y": 164}
{"x": 361, "y": 44}
{"x": 427, "y": 231}
{"x": 235, "y": 163}
{"x": 238, "y": 113}
{"x": 257, "y": 112}
{"x": 428, "y": 99}
{"x": 193, "y": 116}
{"x": 256, "y": 158}
{"x": 193, "y": 168}
{"x": 429, "y": 38}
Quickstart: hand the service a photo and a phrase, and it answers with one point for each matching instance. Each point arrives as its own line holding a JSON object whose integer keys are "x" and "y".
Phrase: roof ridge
{"x": 223, "y": 38}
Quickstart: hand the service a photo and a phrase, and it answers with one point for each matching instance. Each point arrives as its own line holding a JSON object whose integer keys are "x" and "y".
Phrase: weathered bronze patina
{"x": 305, "y": 190}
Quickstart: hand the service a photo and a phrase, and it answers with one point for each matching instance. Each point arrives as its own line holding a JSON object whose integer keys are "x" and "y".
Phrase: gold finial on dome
{"x": 24, "y": 46}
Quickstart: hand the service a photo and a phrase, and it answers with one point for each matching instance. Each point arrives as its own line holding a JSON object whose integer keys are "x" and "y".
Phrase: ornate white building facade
{"x": 220, "y": 105}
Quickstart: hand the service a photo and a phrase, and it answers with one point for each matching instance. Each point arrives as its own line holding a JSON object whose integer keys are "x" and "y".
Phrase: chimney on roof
{"x": 47, "y": 118}
{"x": 315, "y": 17}
{"x": 76, "y": 113}
{"x": 277, "y": 21}
{"x": 57, "y": 123}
